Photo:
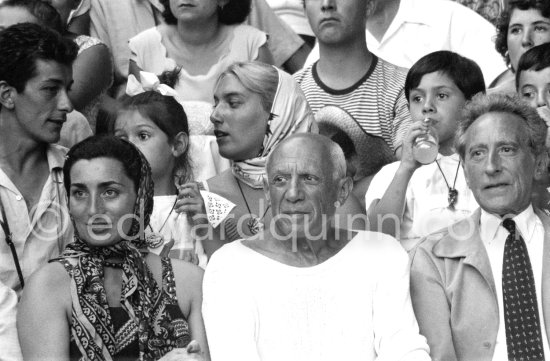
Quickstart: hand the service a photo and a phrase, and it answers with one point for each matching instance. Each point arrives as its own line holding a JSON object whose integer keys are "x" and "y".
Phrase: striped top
{"x": 377, "y": 101}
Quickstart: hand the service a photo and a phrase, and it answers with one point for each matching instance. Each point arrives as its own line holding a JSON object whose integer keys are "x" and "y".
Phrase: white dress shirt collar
{"x": 525, "y": 222}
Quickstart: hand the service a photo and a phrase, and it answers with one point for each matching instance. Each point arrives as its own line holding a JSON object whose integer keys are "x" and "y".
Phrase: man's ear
{"x": 371, "y": 4}
{"x": 6, "y": 95}
{"x": 345, "y": 185}
{"x": 180, "y": 143}
{"x": 464, "y": 169}
{"x": 541, "y": 165}
{"x": 265, "y": 184}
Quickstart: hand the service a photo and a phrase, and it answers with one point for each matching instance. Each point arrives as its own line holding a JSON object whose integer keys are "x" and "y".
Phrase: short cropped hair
{"x": 534, "y": 59}
{"x": 23, "y": 44}
{"x": 336, "y": 153}
{"x": 482, "y": 104}
{"x": 234, "y": 12}
{"x": 503, "y": 22}
{"x": 464, "y": 72}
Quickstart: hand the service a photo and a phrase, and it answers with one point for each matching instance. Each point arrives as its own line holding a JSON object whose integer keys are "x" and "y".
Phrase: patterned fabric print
{"x": 170, "y": 322}
{"x": 521, "y": 316}
{"x": 218, "y": 208}
{"x": 91, "y": 326}
{"x": 489, "y": 9}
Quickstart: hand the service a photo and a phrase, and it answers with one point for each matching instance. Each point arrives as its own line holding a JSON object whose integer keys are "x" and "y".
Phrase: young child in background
{"x": 533, "y": 86}
{"x": 155, "y": 122}
{"x": 533, "y": 80}
{"x": 421, "y": 199}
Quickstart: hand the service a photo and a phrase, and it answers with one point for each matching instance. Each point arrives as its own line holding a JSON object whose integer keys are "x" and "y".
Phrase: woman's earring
{"x": 337, "y": 204}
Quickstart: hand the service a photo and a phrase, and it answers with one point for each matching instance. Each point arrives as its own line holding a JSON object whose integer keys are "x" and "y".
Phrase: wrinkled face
{"x": 10, "y": 15}
{"x": 193, "y": 10}
{"x": 240, "y": 121}
{"x": 101, "y": 198}
{"x": 148, "y": 138}
{"x": 302, "y": 190}
{"x": 336, "y": 21}
{"x": 499, "y": 164}
{"x": 534, "y": 87}
{"x": 42, "y": 107}
{"x": 437, "y": 97}
{"x": 528, "y": 28}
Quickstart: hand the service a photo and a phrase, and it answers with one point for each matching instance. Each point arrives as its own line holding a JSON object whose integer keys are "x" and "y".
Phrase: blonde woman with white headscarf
{"x": 256, "y": 106}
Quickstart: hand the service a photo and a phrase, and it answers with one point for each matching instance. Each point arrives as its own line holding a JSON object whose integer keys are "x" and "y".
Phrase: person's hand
{"x": 407, "y": 158}
{"x": 191, "y": 353}
{"x": 191, "y": 203}
{"x": 544, "y": 113}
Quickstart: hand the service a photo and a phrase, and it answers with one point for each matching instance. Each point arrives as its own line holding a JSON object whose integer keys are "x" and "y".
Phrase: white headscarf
{"x": 290, "y": 113}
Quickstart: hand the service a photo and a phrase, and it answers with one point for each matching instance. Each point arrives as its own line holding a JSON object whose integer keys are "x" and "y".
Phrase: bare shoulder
{"x": 52, "y": 276}
{"x": 187, "y": 275}
{"x": 50, "y": 284}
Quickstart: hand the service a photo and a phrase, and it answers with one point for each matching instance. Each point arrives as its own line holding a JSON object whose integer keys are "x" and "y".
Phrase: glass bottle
{"x": 426, "y": 146}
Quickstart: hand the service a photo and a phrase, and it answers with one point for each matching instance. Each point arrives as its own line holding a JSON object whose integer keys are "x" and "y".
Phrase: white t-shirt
{"x": 354, "y": 306}
{"x": 426, "y": 199}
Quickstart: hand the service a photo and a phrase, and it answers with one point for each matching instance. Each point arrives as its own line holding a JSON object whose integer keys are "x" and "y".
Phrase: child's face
{"x": 438, "y": 98}
{"x": 534, "y": 87}
{"x": 148, "y": 138}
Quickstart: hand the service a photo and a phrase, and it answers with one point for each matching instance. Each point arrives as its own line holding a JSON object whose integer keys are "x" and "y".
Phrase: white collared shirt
{"x": 424, "y": 26}
{"x": 40, "y": 234}
{"x": 493, "y": 236}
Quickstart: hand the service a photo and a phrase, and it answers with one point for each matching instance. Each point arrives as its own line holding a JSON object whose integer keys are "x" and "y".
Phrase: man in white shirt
{"x": 403, "y": 31}
{"x": 302, "y": 289}
{"x": 35, "y": 74}
{"x": 481, "y": 285}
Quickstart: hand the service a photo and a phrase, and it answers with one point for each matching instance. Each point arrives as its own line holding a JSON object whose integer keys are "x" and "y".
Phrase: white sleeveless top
{"x": 149, "y": 53}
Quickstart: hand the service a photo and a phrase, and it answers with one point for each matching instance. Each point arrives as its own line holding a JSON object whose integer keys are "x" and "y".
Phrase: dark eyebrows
{"x": 101, "y": 185}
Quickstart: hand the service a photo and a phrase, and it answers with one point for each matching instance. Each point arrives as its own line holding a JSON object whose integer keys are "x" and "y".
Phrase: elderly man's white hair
{"x": 337, "y": 157}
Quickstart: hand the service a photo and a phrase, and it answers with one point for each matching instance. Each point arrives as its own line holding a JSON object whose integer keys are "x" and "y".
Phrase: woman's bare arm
{"x": 92, "y": 74}
{"x": 189, "y": 293}
{"x": 43, "y": 317}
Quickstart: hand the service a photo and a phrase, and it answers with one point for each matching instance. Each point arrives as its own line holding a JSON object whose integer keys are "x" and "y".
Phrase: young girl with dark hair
{"x": 155, "y": 122}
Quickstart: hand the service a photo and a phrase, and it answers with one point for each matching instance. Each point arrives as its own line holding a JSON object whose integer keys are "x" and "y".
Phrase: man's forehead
{"x": 51, "y": 70}
{"x": 497, "y": 125}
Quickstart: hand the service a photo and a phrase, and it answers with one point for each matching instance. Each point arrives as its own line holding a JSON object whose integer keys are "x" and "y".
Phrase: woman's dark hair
{"x": 503, "y": 22}
{"x": 105, "y": 146}
{"x": 167, "y": 114}
{"x": 234, "y": 12}
{"x": 465, "y": 73}
{"x": 46, "y": 14}
{"x": 535, "y": 59}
